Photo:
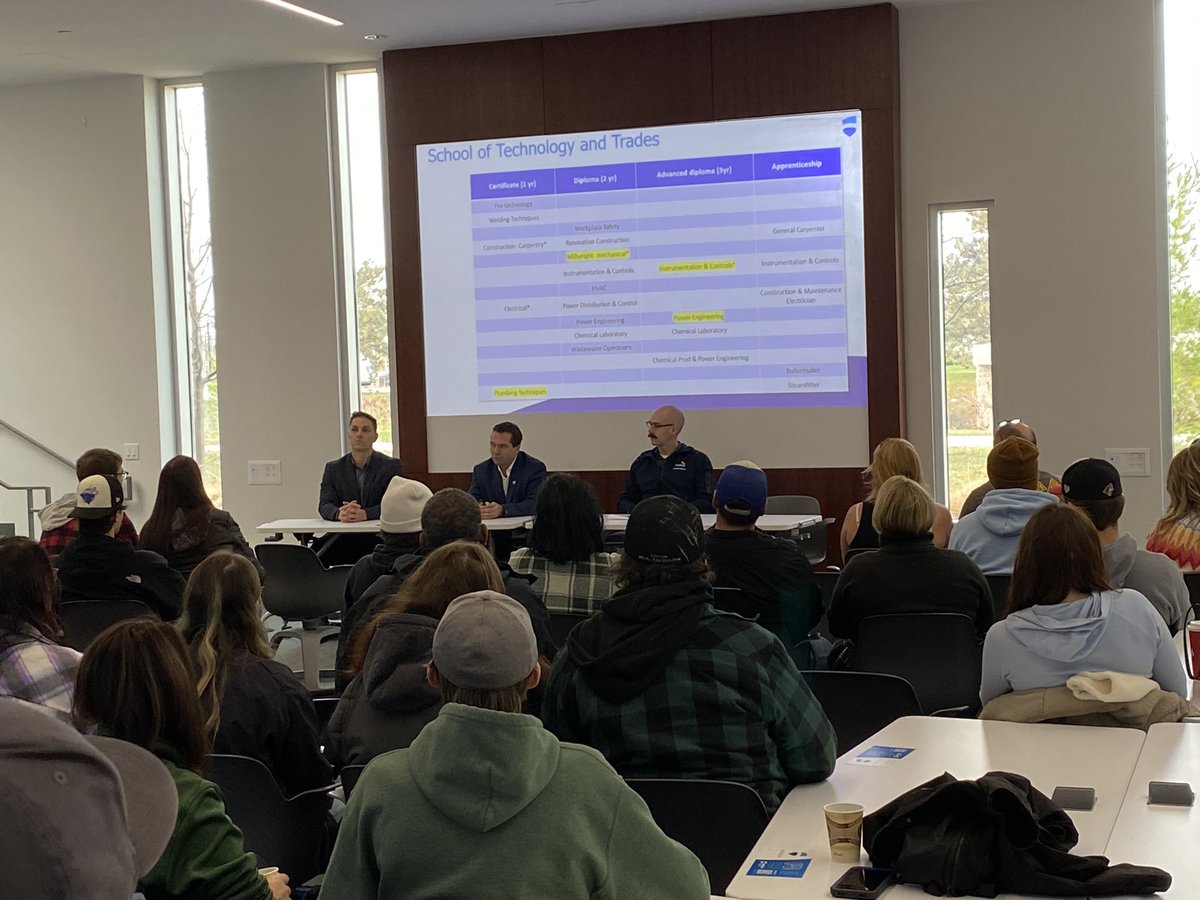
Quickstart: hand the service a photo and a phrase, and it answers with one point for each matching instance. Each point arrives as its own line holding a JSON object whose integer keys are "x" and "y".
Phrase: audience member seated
{"x": 450, "y": 515}
{"x": 97, "y": 566}
{"x": 488, "y": 804}
{"x": 58, "y": 528}
{"x": 507, "y": 483}
{"x": 33, "y": 667}
{"x": 773, "y": 575}
{"x": 1045, "y": 482}
{"x": 666, "y": 686}
{"x": 669, "y": 467}
{"x": 86, "y": 816}
{"x": 254, "y": 706}
{"x": 1177, "y": 533}
{"x": 566, "y": 548}
{"x": 1094, "y": 485}
{"x": 909, "y": 574}
{"x": 389, "y": 701}
{"x": 990, "y": 534}
{"x": 894, "y": 456}
{"x": 136, "y": 685}
{"x": 399, "y": 535}
{"x": 1064, "y": 618}
{"x": 184, "y": 527}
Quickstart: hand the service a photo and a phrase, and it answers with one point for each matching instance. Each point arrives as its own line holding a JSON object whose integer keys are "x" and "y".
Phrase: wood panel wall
{"x": 696, "y": 72}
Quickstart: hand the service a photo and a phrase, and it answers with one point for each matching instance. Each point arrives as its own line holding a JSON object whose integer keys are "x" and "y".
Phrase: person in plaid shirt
{"x": 566, "y": 548}
{"x": 666, "y": 686}
{"x": 33, "y": 667}
{"x": 58, "y": 530}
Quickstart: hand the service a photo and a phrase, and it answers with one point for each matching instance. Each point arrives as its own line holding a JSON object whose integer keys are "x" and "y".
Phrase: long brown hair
{"x": 1059, "y": 552}
{"x": 220, "y": 619}
{"x": 450, "y": 571}
{"x": 135, "y": 681}
{"x": 180, "y": 489}
{"x": 28, "y": 588}
{"x": 1183, "y": 487}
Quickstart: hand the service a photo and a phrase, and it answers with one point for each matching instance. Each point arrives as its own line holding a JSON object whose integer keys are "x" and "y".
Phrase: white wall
{"x": 1048, "y": 109}
{"x": 275, "y": 280}
{"x": 77, "y": 350}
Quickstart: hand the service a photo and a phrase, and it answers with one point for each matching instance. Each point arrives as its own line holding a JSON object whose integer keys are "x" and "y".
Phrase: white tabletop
{"x": 324, "y": 526}
{"x": 1162, "y": 836}
{"x": 1048, "y": 755}
{"x": 618, "y": 521}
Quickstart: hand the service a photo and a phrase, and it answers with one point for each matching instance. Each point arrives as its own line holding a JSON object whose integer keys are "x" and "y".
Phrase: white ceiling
{"x": 42, "y": 40}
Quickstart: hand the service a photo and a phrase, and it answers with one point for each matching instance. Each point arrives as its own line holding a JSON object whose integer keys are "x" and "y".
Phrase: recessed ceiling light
{"x": 374, "y": 37}
{"x": 292, "y": 7}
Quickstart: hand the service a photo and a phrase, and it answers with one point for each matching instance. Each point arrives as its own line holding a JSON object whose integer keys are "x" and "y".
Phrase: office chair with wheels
{"x": 719, "y": 821}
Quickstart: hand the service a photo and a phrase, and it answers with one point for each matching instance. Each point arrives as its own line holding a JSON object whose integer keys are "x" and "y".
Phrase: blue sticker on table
{"x": 879, "y": 752}
{"x": 779, "y": 868}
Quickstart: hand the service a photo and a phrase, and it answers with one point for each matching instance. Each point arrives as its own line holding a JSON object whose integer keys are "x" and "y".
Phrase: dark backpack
{"x": 992, "y": 835}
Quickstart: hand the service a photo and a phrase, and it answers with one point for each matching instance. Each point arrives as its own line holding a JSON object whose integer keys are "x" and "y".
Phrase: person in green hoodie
{"x": 136, "y": 684}
{"x": 488, "y": 804}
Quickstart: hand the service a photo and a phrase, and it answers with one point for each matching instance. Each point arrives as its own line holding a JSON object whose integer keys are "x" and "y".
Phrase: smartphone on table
{"x": 863, "y": 883}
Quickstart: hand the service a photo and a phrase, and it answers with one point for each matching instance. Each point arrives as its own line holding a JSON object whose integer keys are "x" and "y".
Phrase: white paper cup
{"x": 268, "y": 870}
{"x": 844, "y": 824}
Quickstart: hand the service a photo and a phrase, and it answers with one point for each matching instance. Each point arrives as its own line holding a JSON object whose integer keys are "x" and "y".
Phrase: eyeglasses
{"x": 1008, "y": 422}
{"x": 654, "y": 426}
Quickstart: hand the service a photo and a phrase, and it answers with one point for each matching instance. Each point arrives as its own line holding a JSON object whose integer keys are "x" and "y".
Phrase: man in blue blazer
{"x": 507, "y": 484}
{"x": 352, "y": 486}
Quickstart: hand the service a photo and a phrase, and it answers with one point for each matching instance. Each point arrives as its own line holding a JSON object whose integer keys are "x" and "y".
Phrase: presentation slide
{"x": 713, "y": 265}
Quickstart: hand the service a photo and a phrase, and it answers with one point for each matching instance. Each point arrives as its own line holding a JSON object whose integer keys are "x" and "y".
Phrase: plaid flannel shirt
{"x": 579, "y": 587}
{"x": 38, "y": 671}
{"x": 730, "y": 705}
{"x": 55, "y": 540}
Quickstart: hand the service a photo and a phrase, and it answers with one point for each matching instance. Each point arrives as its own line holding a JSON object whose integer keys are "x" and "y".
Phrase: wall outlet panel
{"x": 1133, "y": 462}
{"x": 265, "y": 471}
{"x": 133, "y": 451}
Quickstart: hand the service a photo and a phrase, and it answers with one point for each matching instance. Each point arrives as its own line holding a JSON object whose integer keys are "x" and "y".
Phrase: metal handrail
{"x": 29, "y": 505}
{"x": 35, "y": 442}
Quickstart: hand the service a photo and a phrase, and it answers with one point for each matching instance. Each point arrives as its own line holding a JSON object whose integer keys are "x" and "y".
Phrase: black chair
{"x": 289, "y": 833}
{"x": 1192, "y": 580}
{"x": 299, "y": 588}
{"x": 793, "y": 504}
{"x": 561, "y": 624}
{"x": 813, "y": 539}
{"x": 82, "y": 620}
{"x": 859, "y": 704}
{"x": 999, "y": 586}
{"x": 938, "y": 653}
{"x": 325, "y": 707}
{"x": 350, "y": 776}
{"x": 719, "y": 821}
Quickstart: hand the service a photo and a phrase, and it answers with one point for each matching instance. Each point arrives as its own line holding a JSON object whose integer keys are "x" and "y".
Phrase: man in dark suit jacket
{"x": 507, "y": 484}
{"x": 352, "y": 487}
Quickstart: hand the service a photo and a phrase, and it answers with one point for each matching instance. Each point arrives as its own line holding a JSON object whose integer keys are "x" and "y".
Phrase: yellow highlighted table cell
{"x": 716, "y": 315}
{"x": 699, "y": 265}
{"x": 584, "y": 255}
{"x": 519, "y": 393}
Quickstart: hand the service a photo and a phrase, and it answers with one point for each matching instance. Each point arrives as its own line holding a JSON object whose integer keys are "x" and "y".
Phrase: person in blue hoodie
{"x": 989, "y": 536}
{"x": 1064, "y": 618}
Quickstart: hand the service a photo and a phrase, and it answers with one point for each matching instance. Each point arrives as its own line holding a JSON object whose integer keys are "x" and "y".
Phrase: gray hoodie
{"x": 1153, "y": 575}
{"x": 1112, "y": 631}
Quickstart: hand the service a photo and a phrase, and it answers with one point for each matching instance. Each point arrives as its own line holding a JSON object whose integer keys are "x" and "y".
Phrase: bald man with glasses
{"x": 669, "y": 466}
{"x": 1005, "y": 429}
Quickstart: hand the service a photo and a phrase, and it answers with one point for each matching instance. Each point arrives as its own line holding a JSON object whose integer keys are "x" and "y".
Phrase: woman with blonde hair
{"x": 1177, "y": 533}
{"x": 253, "y": 705}
{"x": 909, "y": 573}
{"x": 389, "y": 699}
{"x": 894, "y": 456}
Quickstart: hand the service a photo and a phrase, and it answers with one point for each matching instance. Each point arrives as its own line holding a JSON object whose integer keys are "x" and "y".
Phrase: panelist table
{"x": 1162, "y": 836}
{"x": 913, "y": 750}
{"x": 304, "y": 529}
{"x": 618, "y": 521}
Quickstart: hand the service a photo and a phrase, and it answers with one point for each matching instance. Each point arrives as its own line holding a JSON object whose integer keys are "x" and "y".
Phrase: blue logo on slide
{"x": 848, "y": 125}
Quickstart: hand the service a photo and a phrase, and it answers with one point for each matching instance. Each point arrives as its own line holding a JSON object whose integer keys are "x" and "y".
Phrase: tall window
{"x": 1181, "y": 33}
{"x": 962, "y": 288}
{"x": 195, "y": 318}
{"x": 364, "y": 257}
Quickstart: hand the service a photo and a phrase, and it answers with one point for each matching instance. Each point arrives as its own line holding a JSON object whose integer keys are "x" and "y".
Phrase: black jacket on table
{"x": 339, "y": 484}
{"x": 908, "y": 575}
{"x": 774, "y": 577}
{"x": 98, "y": 567}
{"x": 267, "y": 714}
{"x": 525, "y": 479}
{"x": 686, "y": 473}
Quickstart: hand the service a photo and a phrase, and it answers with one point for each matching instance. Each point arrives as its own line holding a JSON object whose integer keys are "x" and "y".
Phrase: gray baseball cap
{"x": 484, "y": 642}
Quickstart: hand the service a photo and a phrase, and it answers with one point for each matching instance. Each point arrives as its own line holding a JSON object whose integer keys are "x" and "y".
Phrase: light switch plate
{"x": 133, "y": 451}
{"x": 266, "y": 471}
{"x": 1130, "y": 461}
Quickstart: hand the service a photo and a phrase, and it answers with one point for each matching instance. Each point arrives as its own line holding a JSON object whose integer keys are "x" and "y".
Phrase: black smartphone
{"x": 1081, "y": 798}
{"x": 863, "y": 883}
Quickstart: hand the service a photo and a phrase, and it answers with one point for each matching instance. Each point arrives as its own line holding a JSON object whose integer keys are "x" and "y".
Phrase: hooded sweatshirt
{"x": 98, "y": 567}
{"x": 1152, "y": 575}
{"x": 990, "y": 534}
{"x": 1109, "y": 631}
{"x": 488, "y": 805}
